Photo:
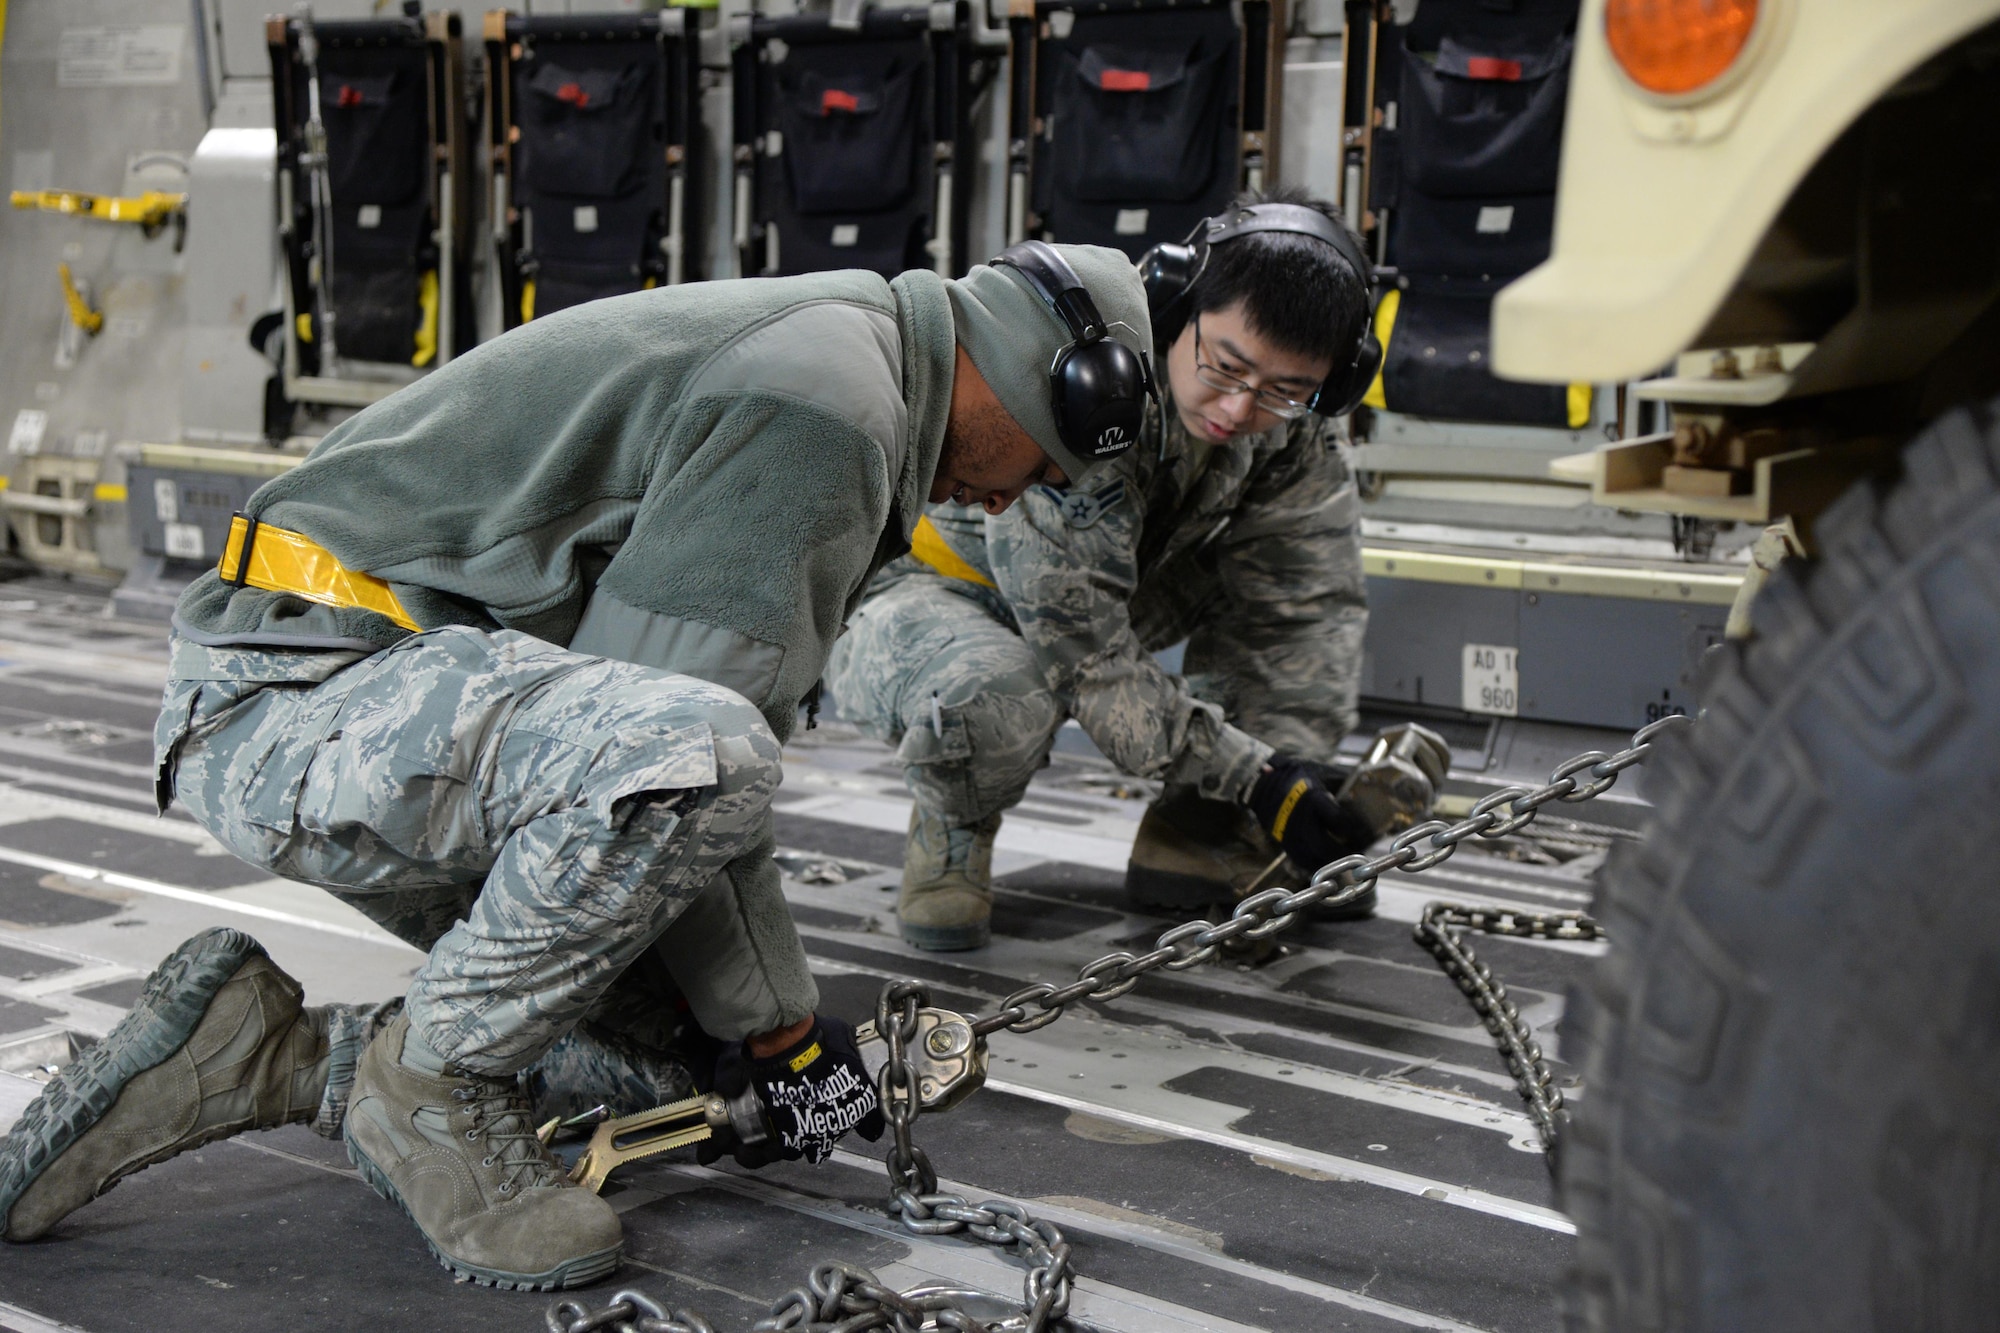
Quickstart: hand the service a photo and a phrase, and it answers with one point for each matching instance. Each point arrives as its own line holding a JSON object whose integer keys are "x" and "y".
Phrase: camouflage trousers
{"x": 941, "y": 677}
{"x": 636, "y": 1047}
{"x": 533, "y": 818}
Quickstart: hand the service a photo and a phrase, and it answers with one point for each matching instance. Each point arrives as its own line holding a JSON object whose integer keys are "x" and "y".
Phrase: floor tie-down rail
{"x": 931, "y": 1059}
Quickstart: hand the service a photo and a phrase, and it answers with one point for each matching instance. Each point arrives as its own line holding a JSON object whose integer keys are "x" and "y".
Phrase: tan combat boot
{"x": 457, "y": 1152}
{"x": 947, "y": 897}
{"x": 217, "y": 1043}
{"x": 1193, "y": 855}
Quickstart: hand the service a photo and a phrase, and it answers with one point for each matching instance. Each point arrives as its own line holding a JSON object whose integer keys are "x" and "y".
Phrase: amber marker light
{"x": 1674, "y": 47}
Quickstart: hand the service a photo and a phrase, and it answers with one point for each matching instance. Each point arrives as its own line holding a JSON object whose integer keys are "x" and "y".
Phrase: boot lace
{"x": 498, "y": 1115}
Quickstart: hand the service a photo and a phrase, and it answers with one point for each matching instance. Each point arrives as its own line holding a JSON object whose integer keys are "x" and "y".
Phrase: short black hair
{"x": 1296, "y": 290}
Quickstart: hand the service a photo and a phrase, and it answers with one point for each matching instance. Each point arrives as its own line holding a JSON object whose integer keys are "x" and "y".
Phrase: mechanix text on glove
{"x": 813, "y": 1112}
{"x": 812, "y": 1093}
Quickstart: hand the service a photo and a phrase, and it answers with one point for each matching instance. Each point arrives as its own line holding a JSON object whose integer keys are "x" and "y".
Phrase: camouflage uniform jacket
{"x": 1251, "y": 547}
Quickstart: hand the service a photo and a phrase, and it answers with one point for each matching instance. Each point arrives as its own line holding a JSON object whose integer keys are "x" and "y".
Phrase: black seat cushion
{"x": 1439, "y": 362}
{"x": 1139, "y": 121}
{"x": 375, "y": 108}
{"x": 1139, "y": 124}
{"x": 1468, "y": 173}
{"x": 377, "y": 127}
{"x": 849, "y": 136}
{"x": 1484, "y": 118}
{"x": 584, "y": 132}
{"x": 842, "y": 138}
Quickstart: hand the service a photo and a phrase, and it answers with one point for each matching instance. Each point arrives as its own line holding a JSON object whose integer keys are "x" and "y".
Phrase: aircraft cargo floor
{"x": 1324, "y": 1141}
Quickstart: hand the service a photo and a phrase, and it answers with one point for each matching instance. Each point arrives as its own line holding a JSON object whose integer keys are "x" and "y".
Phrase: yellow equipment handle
{"x": 150, "y": 210}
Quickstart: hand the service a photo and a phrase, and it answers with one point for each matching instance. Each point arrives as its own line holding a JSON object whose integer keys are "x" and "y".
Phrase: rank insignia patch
{"x": 1081, "y": 509}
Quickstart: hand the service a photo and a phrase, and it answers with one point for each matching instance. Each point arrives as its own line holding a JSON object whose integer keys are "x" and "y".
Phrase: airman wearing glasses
{"x": 1233, "y": 525}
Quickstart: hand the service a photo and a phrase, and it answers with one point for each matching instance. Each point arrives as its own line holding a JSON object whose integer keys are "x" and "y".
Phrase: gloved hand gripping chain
{"x": 932, "y": 1059}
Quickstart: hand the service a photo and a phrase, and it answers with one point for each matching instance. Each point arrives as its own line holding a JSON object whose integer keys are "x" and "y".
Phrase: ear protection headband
{"x": 1097, "y": 385}
{"x": 1171, "y": 271}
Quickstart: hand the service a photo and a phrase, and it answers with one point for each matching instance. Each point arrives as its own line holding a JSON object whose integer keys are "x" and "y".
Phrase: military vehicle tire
{"x": 1791, "y": 1098}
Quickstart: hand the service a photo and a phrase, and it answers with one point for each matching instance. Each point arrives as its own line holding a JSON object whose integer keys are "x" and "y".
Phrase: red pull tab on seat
{"x": 836, "y": 99}
{"x": 1125, "y": 81}
{"x": 349, "y": 95}
{"x": 574, "y": 94}
{"x": 1492, "y": 67}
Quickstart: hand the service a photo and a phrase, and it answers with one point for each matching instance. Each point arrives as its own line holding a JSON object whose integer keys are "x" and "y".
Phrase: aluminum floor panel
{"x": 1319, "y": 1138}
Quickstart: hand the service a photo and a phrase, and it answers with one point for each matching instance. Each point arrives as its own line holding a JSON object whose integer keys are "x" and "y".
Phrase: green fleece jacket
{"x": 699, "y": 478}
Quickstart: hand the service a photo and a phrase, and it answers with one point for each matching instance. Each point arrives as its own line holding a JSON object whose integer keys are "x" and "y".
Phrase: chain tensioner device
{"x": 944, "y": 1056}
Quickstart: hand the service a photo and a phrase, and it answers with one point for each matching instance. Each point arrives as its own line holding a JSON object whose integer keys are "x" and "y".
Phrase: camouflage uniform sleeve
{"x": 1287, "y": 664}
{"x": 1070, "y": 586}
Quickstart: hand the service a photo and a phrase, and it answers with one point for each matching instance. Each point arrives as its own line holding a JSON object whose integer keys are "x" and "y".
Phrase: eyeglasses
{"x": 1269, "y": 399}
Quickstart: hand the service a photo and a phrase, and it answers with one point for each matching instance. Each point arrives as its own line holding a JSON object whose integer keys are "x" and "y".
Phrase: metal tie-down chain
{"x": 841, "y": 1298}
{"x": 913, "y": 1182}
{"x": 1442, "y": 930}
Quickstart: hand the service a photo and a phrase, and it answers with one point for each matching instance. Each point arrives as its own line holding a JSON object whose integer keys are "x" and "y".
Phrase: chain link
{"x": 843, "y": 1298}
{"x": 913, "y": 1186}
{"x": 628, "y": 1312}
{"x": 896, "y": 1086}
{"x": 1442, "y": 931}
{"x": 1265, "y": 914}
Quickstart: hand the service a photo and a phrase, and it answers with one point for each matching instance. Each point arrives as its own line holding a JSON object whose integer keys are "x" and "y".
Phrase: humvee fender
{"x": 1663, "y": 201}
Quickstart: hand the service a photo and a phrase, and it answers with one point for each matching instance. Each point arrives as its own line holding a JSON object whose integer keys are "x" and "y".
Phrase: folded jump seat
{"x": 1468, "y": 133}
{"x": 373, "y": 233}
{"x": 1132, "y": 120}
{"x": 593, "y": 136}
{"x": 853, "y": 139}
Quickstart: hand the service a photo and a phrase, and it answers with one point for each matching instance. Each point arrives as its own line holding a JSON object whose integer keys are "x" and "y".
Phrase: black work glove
{"x": 806, "y": 1097}
{"x": 1292, "y": 803}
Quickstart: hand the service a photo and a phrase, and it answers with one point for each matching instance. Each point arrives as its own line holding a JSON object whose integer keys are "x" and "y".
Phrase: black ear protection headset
{"x": 1170, "y": 273}
{"x": 1097, "y": 385}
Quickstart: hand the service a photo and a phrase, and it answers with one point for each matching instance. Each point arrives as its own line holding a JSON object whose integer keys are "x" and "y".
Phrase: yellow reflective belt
{"x": 282, "y": 561}
{"x": 928, "y": 545}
